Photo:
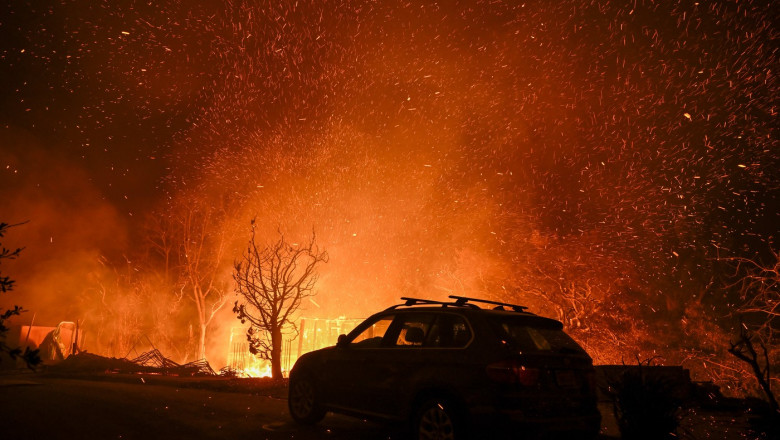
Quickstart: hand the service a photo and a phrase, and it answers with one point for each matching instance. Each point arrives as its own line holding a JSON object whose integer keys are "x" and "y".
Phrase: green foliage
{"x": 30, "y": 357}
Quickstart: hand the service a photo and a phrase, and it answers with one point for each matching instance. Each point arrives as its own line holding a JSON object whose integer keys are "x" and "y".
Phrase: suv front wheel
{"x": 303, "y": 401}
{"x": 436, "y": 420}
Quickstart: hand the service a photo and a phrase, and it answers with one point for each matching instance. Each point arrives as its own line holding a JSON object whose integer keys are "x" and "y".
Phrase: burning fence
{"x": 313, "y": 333}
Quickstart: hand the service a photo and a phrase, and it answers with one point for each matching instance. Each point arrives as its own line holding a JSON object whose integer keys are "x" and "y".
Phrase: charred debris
{"x": 151, "y": 362}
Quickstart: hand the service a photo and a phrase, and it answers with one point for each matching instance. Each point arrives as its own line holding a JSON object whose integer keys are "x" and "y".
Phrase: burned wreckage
{"x": 60, "y": 348}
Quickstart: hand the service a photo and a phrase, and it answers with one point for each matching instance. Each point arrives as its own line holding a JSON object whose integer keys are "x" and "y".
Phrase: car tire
{"x": 303, "y": 400}
{"x": 437, "y": 419}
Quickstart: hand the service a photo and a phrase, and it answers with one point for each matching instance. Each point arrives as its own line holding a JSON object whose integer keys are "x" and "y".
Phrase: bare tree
{"x": 202, "y": 240}
{"x": 167, "y": 287}
{"x": 273, "y": 281}
{"x": 127, "y": 302}
{"x": 119, "y": 315}
{"x": 761, "y": 365}
{"x": 759, "y": 290}
{"x": 756, "y": 281}
{"x": 161, "y": 243}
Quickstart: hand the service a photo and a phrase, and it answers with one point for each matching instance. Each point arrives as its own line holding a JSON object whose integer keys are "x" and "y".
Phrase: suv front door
{"x": 347, "y": 364}
{"x": 377, "y": 373}
{"x": 389, "y": 370}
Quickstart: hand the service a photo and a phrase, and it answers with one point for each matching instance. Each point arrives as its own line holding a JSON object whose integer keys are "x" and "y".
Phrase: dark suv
{"x": 450, "y": 369}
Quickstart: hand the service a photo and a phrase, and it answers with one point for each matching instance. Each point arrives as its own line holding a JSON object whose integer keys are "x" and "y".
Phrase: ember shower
{"x": 590, "y": 159}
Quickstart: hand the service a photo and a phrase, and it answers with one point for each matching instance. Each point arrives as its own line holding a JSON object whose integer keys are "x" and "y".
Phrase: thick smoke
{"x": 66, "y": 228}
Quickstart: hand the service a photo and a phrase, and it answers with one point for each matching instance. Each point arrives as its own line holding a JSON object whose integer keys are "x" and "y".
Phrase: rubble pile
{"x": 150, "y": 362}
{"x": 153, "y": 358}
{"x": 90, "y": 363}
{"x": 200, "y": 367}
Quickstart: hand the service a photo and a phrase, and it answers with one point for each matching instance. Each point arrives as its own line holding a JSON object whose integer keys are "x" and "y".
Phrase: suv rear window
{"x": 530, "y": 337}
{"x": 449, "y": 331}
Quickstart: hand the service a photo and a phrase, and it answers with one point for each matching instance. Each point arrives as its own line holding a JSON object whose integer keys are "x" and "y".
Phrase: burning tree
{"x": 273, "y": 281}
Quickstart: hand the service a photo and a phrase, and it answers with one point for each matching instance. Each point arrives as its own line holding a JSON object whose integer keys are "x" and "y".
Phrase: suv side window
{"x": 449, "y": 331}
{"x": 371, "y": 336}
{"x": 413, "y": 329}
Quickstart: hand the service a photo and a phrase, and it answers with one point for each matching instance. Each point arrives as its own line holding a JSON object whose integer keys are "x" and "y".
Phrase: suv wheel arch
{"x": 304, "y": 400}
{"x": 438, "y": 415}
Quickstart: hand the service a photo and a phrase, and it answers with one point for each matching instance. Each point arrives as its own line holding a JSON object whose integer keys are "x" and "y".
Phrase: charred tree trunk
{"x": 202, "y": 342}
{"x": 276, "y": 353}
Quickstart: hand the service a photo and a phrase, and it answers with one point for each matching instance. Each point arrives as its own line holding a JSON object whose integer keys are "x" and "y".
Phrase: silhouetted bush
{"x": 645, "y": 406}
{"x": 30, "y": 357}
{"x": 764, "y": 420}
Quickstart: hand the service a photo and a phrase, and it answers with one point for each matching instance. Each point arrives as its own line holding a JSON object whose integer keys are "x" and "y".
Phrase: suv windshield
{"x": 530, "y": 337}
{"x": 371, "y": 336}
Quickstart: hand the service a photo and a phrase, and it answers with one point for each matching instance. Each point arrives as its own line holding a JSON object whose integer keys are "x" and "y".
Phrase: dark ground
{"x": 127, "y": 406}
{"x": 122, "y": 407}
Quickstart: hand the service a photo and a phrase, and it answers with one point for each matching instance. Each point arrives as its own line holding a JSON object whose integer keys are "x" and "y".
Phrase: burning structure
{"x": 55, "y": 343}
{"x": 311, "y": 334}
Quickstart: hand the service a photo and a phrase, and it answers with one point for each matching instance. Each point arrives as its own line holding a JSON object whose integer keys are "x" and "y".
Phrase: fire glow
{"x": 599, "y": 163}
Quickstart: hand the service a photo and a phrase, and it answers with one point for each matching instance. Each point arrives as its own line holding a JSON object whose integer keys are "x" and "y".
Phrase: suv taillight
{"x": 513, "y": 372}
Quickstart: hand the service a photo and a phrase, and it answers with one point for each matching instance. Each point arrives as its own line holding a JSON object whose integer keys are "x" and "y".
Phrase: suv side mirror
{"x": 342, "y": 341}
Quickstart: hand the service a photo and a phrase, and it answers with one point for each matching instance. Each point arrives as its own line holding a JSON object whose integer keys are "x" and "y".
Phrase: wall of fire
{"x": 313, "y": 334}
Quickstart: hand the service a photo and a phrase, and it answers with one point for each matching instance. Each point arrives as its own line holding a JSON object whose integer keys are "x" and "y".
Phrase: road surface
{"x": 39, "y": 407}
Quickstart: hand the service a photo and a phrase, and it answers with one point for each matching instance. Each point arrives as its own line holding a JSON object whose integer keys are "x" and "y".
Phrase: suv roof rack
{"x": 460, "y": 301}
{"x": 420, "y": 301}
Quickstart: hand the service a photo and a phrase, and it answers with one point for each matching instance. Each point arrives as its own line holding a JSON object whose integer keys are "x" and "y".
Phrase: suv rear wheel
{"x": 303, "y": 402}
{"x": 436, "y": 420}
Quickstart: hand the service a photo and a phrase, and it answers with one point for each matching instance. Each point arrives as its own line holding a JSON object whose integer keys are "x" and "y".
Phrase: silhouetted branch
{"x": 745, "y": 351}
{"x": 273, "y": 281}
